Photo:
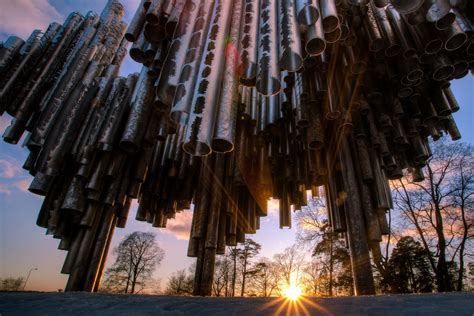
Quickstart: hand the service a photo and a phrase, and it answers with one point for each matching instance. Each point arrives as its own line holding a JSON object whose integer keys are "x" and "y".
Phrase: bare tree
{"x": 11, "y": 284}
{"x": 264, "y": 277}
{"x": 180, "y": 283}
{"x": 288, "y": 265}
{"x": 312, "y": 222}
{"x": 463, "y": 202}
{"x": 249, "y": 249}
{"x": 313, "y": 278}
{"x": 138, "y": 255}
{"x": 441, "y": 209}
{"x": 222, "y": 275}
{"x": 314, "y": 229}
{"x": 234, "y": 254}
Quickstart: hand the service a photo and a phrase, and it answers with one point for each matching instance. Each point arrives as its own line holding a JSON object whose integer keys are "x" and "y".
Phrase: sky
{"x": 23, "y": 245}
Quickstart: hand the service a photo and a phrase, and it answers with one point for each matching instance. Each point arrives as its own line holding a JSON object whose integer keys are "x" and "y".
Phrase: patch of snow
{"x": 104, "y": 304}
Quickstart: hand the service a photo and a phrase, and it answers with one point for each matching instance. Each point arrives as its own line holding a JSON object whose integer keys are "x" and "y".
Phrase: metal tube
{"x": 329, "y": 15}
{"x": 185, "y": 90}
{"x": 202, "y": 118}
{"x": 171, "y": 71}
{"x": 249, "y": 42}
{"x": 137, "y": 22}
{"x": 307, "y": 11}
{"x": 315, "y": 41}
{"x": 290, "y": 40}
{"x": 407, "y": 6}
{"x": 9, "y": 51}
{"x": 360, "y": 259}
{"x": 224, "y": 131}
{"x": 392, "y": 48}
{"x": 137, "y": 121}
{"x": 268, "y": 76}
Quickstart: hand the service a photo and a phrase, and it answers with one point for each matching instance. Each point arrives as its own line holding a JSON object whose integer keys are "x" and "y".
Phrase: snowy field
{"x": 98, "y": 304}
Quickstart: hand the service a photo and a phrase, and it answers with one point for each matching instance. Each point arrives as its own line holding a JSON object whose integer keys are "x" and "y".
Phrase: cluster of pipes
{"x": 238, "y": 101}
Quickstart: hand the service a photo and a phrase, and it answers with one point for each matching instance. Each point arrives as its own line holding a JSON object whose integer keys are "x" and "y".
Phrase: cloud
{"x": 22, "y": 185}
{"x": 4, "y": 189}
{"x": 12, "y": 176}
{"x": 21, "y": 17}
{"x": 130, "y": 8}
{"x": 9, "y": 168}
{"x": 83, "y": 6}
{"x": 180, "y": 226}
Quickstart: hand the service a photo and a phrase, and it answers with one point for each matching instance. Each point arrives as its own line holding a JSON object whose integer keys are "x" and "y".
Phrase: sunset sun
{"x": 292, "y": 293}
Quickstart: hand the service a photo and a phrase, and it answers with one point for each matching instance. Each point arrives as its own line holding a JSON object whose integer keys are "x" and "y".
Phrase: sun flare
{"x": 292, "y": 293}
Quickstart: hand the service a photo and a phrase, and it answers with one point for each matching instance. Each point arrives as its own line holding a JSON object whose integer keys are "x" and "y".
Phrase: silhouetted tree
{"x": 264, "y": 279}
{"x": 314, "y": 229}
{"x": 248, "y": 250}
{"x": 234, "y": 254}
{"x": 222, "y": 275}
{"x": 332, "y": 252}
{"x": 410, "y": 268}
{"x": 441, "y": 209}
{"x": 11, "y": 284}
{"x": 138, "y": 255}
{"x": 288, "y": 265}
{"x": 180, "y": 283}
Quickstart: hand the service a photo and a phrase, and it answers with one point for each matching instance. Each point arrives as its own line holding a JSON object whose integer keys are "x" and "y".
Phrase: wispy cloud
{"x": 83, "y": 6}
{"x": 20, "y": 17}
{"x": 12, "y": 176}
{"x": 9, "y": 168}
{"x": 180, "y": 226}
{"x": 22, "y": 185}
{"x": 4, "y": 189}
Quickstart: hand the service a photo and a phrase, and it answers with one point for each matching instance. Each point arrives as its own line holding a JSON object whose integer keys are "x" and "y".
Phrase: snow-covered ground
{"x": 100, "y": 304}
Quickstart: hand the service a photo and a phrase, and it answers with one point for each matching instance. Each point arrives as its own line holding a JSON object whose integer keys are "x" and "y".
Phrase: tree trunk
{"x": 461, "y": 265}
{"x": 463, "y": 242}
{"x": 134, "y": 279}
{"x": 244, "y": 275}
{"x": 331, "y": 263}
{"x": 234, "y": 273}
{"x": 442, "y": 275}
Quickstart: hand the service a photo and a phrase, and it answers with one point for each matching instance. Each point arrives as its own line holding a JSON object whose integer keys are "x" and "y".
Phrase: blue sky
{"x": 23, "y": 245}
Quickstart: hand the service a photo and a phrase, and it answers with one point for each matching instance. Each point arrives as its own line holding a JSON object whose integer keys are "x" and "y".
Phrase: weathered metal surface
{"x": 307, "y": 11}
{"x": 268, "y": 70}
{"x": 183, "y": 97}
{"x": 202, "y": 117}
{"x": 290, "y": 40}
{"x": 169, "y": 78}
{"x": 249, "y": 44}
{"x": 224, "y": 131}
